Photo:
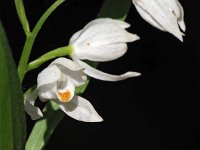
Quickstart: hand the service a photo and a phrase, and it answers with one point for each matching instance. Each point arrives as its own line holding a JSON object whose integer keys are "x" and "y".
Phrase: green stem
{"x": 62, "y": 51}
{"x": 22, "y": 16}
{"x": 23, "y": 63}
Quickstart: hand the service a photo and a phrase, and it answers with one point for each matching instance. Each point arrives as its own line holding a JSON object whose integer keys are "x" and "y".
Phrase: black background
{"x": 157, "y": 111}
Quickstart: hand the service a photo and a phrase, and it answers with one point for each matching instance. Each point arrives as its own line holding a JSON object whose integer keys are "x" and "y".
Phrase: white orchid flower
{"x": 57, "y": 82}
{"x": 101, "y": 40}
{"x": 166, "y": 15}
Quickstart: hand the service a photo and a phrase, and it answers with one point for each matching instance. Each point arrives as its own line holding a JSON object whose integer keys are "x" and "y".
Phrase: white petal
{"x": 181, "y": 18}
{"x": 102, "y": 53}
{"x": 103, "y": 34}
{"x": 70, "y": 69}
{"x": 29, "y": 101}
{"x": 108, "y": 21}
{"x": 78, "y": 77}
{"x": 67, "y": 63}
{"x": 75, "y": 36}
{"x": 97, "y": 74}
{"x": 176, "y": 8}
{"x": 147, "y": 17}
{"x": 80, "y": 109}
{"x": 65, "y": 89}
{"x": 172, "y": 6}
{"x": 99, "y": 21}
{"x": 162, "y": 14}
{"x": 47, "y": 92}
{"x": 49, "y": 75}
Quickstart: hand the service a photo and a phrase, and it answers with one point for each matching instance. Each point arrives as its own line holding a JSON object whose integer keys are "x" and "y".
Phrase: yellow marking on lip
{"x": 65, "y": 96}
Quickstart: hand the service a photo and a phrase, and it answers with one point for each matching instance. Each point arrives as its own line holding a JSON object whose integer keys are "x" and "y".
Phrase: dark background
{"x": 157, "y": 111}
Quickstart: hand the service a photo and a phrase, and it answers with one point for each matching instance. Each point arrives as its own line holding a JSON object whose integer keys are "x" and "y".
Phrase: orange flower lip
{"x": 65, "y": 96}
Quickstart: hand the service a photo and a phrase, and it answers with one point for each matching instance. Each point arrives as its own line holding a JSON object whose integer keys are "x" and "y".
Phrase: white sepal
{"x": 80, "y": 109}
{"x": 97, "y": 74}
{"x": 29, "y": 101}
{"x": 66, "y": 63}
{"x": 103, "y": 34}
{"x": 102, "y": 53}
{"x": 49, "y": 75}
{"x": 166, "y": 15}
{"x": 100, "y": 21}
{"x": 108, "y": 21}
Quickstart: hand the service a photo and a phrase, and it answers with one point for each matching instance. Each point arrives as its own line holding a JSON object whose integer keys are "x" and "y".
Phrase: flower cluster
{"x": 101, "y": 40}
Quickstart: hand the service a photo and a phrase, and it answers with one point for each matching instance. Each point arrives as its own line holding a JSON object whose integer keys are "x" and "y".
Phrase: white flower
{"x": 57, "y": 82}
{"x": 166, "y": 15}
{"x": 101, "y": 40}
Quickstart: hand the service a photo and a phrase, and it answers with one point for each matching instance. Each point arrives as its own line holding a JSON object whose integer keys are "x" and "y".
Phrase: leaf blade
{"x": 12, "y": 114}
{"x": 51, "y": 110}
{"x": 120, "y": 8}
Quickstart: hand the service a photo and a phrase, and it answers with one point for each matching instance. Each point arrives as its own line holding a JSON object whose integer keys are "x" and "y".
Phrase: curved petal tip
{"x": 132, "y": 74}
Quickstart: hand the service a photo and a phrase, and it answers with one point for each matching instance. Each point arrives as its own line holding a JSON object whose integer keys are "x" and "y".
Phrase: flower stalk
{"x": 61, "y": 51}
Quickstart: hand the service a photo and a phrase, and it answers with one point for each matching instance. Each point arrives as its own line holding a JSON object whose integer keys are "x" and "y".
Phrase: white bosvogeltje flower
{"x": 166, "y": 15}
{"x": 57, "y": 82}
{"x": 102, "y": 39}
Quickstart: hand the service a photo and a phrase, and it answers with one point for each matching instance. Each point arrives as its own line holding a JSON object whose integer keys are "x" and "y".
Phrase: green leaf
{"x": 116, "y": 9}
{"x": 12, "y": 114}
{"x": 45, "y": 127}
